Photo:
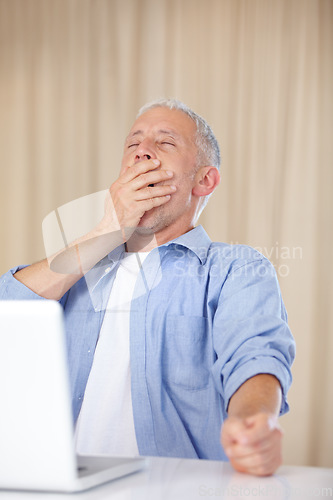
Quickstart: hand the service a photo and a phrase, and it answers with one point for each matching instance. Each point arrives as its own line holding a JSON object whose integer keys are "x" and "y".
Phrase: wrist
{"x": 104, "y": 227}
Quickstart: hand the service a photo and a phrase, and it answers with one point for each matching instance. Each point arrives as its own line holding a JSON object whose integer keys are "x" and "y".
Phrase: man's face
{"x": 169, "y": 136}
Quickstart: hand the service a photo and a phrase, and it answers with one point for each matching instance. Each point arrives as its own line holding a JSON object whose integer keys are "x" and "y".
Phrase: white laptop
{"x": 36, "y": 425}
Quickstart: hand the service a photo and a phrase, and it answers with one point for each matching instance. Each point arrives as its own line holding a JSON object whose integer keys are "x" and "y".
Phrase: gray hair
{"x": 206, "y": 142}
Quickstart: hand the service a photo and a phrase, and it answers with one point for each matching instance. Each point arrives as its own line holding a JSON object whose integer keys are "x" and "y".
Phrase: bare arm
{"x": 130, "y": 196}
{"x": 251, "y": 436}
{"x": 51, "y": 278}
{"x": 261, "y": 393}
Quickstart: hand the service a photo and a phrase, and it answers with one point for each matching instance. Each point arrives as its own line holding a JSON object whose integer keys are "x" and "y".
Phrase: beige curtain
{"x": 74, "y": 72}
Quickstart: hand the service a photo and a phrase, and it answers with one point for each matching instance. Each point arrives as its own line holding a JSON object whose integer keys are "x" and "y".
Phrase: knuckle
{"x": 120, "y": 189}
{"x": 144, "y": 177}
{"x": 113, "y": 188}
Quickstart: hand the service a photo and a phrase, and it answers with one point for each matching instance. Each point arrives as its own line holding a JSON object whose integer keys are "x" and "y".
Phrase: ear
{"x": 205, "y": 181}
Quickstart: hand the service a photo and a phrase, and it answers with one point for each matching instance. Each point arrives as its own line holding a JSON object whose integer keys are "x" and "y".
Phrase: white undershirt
{"x": 105, "y": 425}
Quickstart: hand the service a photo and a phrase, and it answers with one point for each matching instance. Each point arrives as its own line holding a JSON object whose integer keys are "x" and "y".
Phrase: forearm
{"x": 259, "y": 394}
{"x": 53, "y": 277}
{"x": 126, "y": 202}
{"x": 47, "y": 284}
{"x": 251, "y": 435}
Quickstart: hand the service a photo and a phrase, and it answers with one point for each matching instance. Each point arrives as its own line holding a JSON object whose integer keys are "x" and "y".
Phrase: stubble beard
{"x": 144, "y": 234}
{"x": 154, "y": 220}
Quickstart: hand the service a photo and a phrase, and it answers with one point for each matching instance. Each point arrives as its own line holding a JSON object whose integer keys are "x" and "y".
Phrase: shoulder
{"x": 239, "y": 264}
{"x": 234, "y": 256}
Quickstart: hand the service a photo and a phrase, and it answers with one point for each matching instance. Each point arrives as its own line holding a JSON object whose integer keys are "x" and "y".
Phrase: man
{"x": 203, "y": 357}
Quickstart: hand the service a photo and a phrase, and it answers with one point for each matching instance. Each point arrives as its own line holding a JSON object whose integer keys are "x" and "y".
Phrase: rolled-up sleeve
{"x": 12, "y": 289}
{"x": 250, "y": 330}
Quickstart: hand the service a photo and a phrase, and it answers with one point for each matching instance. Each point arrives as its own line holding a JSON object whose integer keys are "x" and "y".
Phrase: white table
{"x": 180, "y": 479}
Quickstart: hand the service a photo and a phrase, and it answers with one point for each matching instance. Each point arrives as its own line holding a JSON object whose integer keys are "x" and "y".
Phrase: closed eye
{"x": 133, "y": 145}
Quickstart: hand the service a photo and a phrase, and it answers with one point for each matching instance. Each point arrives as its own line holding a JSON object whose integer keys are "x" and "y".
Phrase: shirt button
{"x": 107, "y": 270}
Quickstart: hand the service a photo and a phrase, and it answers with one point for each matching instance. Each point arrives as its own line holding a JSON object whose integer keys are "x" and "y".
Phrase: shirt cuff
{"x": 258, "y": 366}
{"x": 12, "y": 289}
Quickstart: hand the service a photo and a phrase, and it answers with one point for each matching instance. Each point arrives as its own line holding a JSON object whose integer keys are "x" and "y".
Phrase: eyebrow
{"x": 171, "y": 132}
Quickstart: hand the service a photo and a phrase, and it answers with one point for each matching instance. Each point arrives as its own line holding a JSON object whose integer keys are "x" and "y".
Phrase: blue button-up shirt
{"x": 205, "y": 317}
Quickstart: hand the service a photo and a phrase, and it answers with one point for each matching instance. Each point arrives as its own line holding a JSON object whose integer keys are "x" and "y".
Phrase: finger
{"x": 138, "y": 169}
{"x": 148, "y": 178}
{"x": 149, "y": 204}
{"x": 263, "y": 468}
{"x": 256, "y": 455}
{"x": 154, "y": 192}
{"x": 258, "y": 428}
{"x": 231, "y": 430}
{"x": 259, "y": 463}
{"x": 238, "y": 451}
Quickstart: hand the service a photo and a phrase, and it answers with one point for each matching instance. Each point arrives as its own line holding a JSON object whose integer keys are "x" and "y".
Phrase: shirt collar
{"x": 103, "y": 267}
{"x": 116, "y": 254}
{"x": 196, "y": 240}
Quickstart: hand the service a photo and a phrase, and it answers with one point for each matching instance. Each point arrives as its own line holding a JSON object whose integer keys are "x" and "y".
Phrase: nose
{"x": 144, "y": 151}
{"x": 142, "y": 157}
